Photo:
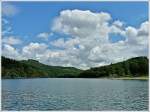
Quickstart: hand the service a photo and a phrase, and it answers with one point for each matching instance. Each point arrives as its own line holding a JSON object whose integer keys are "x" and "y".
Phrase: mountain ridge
{"x": 133, "y": 67}
{"x": 31, "y": 69}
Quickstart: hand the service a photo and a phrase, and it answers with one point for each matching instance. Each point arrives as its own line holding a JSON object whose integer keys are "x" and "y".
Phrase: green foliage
{"x": 133, "y": 67}
{"x": 32, "y": 69}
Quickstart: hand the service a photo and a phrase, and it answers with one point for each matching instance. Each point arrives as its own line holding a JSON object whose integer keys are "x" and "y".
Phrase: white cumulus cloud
{"x": 81, "y": 24}
{"x": 89, "y": 44}
{"x": 33, "y": 50}
{"x": 10, "y": 52}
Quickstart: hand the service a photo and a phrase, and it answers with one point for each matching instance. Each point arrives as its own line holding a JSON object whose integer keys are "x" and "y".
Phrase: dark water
{"x": 74, "y": 94}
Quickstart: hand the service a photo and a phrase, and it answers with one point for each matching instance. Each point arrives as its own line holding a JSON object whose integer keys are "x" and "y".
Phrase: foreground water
{"x": 74, "y": 94}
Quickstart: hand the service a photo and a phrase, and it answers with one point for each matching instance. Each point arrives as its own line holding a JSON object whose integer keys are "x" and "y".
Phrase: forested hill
{"x": 32, "y": 69}
{"x": 134, "y": 67}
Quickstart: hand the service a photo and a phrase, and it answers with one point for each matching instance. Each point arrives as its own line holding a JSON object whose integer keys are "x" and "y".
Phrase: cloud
{"x": 11, "y": 40}
{"x": 91, "y": 33}
{"x": 62, "y": 43}
{"x": 44, "y": 35}
{"x": 118, "y": 23}
{"x": 138, "y": 36}
{"x": 33, "y": 50}
{"x": 143, "y": 30}
{"x": 89, "y": 44}
{"x": 11, "y": 52}
{"x": 6, "y": 27}
{"x": 9, "y": 9}
{"x": 5, "y": 21}
{"x": 80, "y": 23}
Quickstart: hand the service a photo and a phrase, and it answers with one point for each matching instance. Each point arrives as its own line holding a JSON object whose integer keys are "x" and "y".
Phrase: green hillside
{"x": 134, "y": 67}
{"x": 32, "y": 69}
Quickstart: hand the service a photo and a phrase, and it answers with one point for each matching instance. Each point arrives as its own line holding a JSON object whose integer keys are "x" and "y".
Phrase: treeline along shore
{"x": 134, "y": 67}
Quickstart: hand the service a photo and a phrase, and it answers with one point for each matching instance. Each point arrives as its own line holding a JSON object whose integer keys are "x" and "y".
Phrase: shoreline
{"x": 110, "y": 78}
{"x": 131, "y": 78}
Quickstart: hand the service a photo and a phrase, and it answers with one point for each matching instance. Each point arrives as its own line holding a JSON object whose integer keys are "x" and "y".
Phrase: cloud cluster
{"x": 11, "y": 52}
{"x": 91, "y": 33}
{"x": 43, "y": 35}
{"x": 89, "y": 44}
{"x": 33, "y": 50}
{"x": 82, "y": 23}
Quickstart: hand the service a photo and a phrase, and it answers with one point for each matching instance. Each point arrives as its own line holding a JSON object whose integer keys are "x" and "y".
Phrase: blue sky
{"x": 36, "y": 17}
{"x": 32, "y": 18}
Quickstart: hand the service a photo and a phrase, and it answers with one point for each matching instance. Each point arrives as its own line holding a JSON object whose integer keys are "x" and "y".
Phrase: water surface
{"x": 74, "y": 94}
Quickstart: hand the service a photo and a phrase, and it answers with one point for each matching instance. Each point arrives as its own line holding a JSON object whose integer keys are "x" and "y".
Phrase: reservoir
{"x": 74, "y": 94}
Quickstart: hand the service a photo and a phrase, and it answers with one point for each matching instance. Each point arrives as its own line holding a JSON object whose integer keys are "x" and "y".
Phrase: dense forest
{"x": 32, "y": 69}
{"x": 133, "y": 67}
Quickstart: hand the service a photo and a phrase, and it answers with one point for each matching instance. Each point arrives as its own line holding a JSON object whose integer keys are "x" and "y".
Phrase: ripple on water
{"x": 74, "y": 94}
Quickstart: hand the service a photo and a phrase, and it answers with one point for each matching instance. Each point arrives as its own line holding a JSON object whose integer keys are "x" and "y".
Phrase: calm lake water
{"x": 74, "y": 94}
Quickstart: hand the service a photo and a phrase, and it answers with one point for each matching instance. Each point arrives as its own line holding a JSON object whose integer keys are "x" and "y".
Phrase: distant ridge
{"x": 134, "y": 67}
{"x": 32, "y": 69}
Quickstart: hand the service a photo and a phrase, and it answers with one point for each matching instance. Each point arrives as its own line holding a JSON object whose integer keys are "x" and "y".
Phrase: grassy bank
{"x": 132, "y": 78}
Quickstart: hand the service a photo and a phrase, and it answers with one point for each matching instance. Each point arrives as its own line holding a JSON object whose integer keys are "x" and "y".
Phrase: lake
{"x": 74, "y": 94}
